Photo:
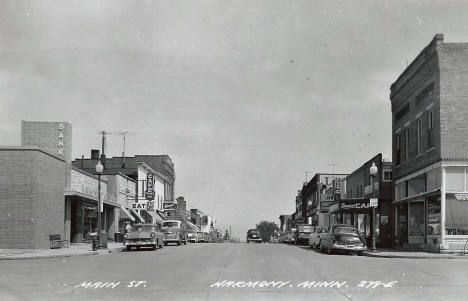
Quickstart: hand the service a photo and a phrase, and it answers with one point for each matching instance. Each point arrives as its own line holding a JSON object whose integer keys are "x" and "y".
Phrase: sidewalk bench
{"x": 56, "y": 241}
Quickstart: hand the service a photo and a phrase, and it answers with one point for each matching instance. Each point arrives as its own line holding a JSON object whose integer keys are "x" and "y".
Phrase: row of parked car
{"x": 172, "y": 231}
{"x": 340, "y": 237}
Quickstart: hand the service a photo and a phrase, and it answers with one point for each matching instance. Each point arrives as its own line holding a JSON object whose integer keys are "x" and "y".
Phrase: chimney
{"x": 95, "y": 154}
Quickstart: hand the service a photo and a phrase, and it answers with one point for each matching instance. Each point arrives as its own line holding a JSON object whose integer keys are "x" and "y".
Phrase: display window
{"x": 433, "y": 215}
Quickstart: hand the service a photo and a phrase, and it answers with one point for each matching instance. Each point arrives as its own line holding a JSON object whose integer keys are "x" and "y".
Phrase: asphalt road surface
{"x": 233, "y": 271}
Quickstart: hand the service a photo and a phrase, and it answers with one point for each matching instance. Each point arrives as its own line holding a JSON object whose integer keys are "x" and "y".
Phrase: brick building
{"x": 354, "y": 208}
{"x": 32, "y": 182}
{"x": 430, "y": 148}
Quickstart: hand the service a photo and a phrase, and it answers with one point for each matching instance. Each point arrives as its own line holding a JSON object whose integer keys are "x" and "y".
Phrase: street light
{"x": 99, "y": 169}
{"x": 373, "y": 171}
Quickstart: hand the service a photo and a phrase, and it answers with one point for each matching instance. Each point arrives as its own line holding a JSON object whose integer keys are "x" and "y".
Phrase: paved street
{"x": 238, "y": 271}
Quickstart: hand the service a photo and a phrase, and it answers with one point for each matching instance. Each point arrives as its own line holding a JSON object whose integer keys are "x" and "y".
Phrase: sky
{"x": 248, "y": 98}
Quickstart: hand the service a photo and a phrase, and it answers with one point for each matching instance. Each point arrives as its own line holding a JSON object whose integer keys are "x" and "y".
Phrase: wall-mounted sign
{"x": 150, "y": 206}
{"x": 139, "y": 206}
{"x": 384, "y": 219}
{"x": 149, "y": 192}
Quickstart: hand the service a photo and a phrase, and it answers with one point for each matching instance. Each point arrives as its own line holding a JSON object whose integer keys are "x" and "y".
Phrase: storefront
{"x": 358, "y": 212}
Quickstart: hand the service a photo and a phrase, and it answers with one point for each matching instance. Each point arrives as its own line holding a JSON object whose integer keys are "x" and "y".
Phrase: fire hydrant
{"x": 95, "y": 243}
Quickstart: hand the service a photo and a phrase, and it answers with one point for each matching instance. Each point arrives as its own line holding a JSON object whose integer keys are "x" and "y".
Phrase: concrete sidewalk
{"x": 392, "y": 253}
{"x": 80, "y": 249}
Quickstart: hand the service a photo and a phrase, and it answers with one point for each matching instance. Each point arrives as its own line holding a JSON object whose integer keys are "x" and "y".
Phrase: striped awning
{"x": 135, "y": 213}
{"x": 125, "y": 215}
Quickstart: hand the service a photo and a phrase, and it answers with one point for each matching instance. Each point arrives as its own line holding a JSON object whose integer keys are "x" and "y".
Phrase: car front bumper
{"x": 139, "y": 243}
{"x": 349, "y": 247}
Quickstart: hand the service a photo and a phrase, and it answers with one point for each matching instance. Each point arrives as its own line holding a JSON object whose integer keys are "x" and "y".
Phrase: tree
{"x": 267, "y": 229}
{"x": 226, "y": 235}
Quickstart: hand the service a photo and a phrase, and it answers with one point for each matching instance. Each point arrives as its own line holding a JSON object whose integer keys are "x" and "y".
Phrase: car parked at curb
{"x": 144, "y": 236}
{"x": 343, "y": 238}
{"x": 192, "y": 235}
{"x": 315, "y": 237}
{"x": 174, "y": 232}
{"x": 254, "y": 235}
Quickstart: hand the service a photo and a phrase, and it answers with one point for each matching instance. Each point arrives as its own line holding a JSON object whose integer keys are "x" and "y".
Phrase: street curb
{"x": 89, "y": 253}
{"x": 412, "y": 257}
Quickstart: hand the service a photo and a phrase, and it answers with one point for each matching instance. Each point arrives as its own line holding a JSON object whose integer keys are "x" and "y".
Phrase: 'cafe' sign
{"x": 342, "y": 206}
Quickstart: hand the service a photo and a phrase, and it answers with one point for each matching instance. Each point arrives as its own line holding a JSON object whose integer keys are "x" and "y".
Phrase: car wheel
{"x": 165, "y": 243}
{"x": 317, "y": 246}
{"x": 329, "y": 251}
{"x": 161, "y": 246}
{"x": 360, "y": 253}
{"x": 179, "y": 242}
{"x": 129, "y": 248}
{"x": 248, "y": 241}
{"x": 321, "y": 247}
{"x": 185, "y": 241}
{"x": 155, "y": 247}
{"x": 311, "y": 246}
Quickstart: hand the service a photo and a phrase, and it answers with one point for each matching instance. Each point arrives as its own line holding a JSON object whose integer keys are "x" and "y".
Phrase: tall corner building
{"x": 429, "y": 103}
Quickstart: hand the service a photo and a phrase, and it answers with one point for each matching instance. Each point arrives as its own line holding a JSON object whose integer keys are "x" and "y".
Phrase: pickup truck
{"x": 302, "y": 234}
{"x": 316, "y": 236}
{"x": 174, "y": 231}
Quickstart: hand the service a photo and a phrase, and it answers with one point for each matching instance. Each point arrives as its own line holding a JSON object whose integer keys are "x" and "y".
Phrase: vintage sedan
{"x": 316, "y": 236}
{"x": 192, "y": 235}
{"x": 345, "y": 238}
{"x": 174, "y": 231}
{"x": 254, "y": 235}
{"x": 200, "y": 236}
{"x": 144, "y": 236}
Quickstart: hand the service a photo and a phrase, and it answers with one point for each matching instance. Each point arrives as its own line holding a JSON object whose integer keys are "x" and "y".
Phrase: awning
{"x": 157, "y": 218}
{"x": 135, "y": 213}
{"x": 125, "y": 214}
{"x": 192, "y": 226}
{"x": 419, "y": 196}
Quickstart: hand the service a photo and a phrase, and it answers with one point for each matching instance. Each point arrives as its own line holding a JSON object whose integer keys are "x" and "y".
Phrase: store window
{"x": 416, "y": 219}
{"x": 398, "y": 149}
{"x": 433, "y": 215}
{"x": 407, "y": 144}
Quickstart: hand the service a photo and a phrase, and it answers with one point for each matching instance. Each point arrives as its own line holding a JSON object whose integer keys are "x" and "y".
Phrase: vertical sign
{"x": 149, "y": 192}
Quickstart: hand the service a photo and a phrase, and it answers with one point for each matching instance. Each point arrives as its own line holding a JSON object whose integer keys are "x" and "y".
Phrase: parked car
{"x": 254, "y": 235}
{"x": 200, "y": 236}
{"x": 316, "y": 236}
{"x": 144, "y": 235}
{"x": 192, "y": 235}
{"x": 174, "y": 231}
{"x": 290, "y": 237}
{"x": 345, "y": 238}
{"x": 301, "y": 236}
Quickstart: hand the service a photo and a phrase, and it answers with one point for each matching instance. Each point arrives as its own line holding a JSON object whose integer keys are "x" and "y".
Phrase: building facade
{"x": 430, "y": 147}
{"x": 354, "y": 206}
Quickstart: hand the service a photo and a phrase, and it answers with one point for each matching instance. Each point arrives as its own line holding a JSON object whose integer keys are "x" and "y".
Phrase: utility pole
{"x": 306, "y": 173}
{"x": 122, "y": 165}
{"x": 333, "y": 164}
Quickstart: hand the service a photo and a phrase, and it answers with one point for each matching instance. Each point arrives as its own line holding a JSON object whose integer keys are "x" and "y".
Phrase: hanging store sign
{"x": 149, "y": 192}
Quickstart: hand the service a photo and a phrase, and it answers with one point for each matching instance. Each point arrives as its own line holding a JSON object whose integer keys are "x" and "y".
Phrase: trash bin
{"x": 103, "y": 238}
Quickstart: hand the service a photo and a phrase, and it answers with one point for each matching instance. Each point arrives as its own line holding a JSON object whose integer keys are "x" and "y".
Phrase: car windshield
{"x": 254, "y": 231}
{"x": 143, "y": 228}
{"x": 346, "y": 230}
{"x": 171, "y": 224}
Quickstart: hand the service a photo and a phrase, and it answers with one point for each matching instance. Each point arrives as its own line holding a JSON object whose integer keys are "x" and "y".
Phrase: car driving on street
{"x": 254, "y": 235}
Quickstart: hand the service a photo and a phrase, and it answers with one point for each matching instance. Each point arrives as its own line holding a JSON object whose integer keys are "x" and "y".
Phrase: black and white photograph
{"x": 233, "y": 150}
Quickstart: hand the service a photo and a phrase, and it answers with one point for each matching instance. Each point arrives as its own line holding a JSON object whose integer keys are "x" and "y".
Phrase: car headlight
{"x": 152, "y": 235}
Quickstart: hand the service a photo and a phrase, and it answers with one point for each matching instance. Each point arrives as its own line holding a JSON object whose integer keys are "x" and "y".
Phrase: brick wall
{"x": 32, "y": 204}
{"x": 454, "y": 100}
{"x": 54, "y": 137}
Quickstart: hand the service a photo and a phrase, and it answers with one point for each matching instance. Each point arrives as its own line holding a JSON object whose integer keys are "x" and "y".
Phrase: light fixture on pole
{"x": 373, "y": 171}
{"x": 99, "y": 169}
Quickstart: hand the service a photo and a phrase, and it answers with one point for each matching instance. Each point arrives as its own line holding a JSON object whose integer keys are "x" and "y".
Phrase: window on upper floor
{"x": 419, "y": 144}
{"x": 387, "y": 176}
{"x": 398, "y": 149}
{"x": 407, "y": 144}
{"x": 430, "y": 128}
